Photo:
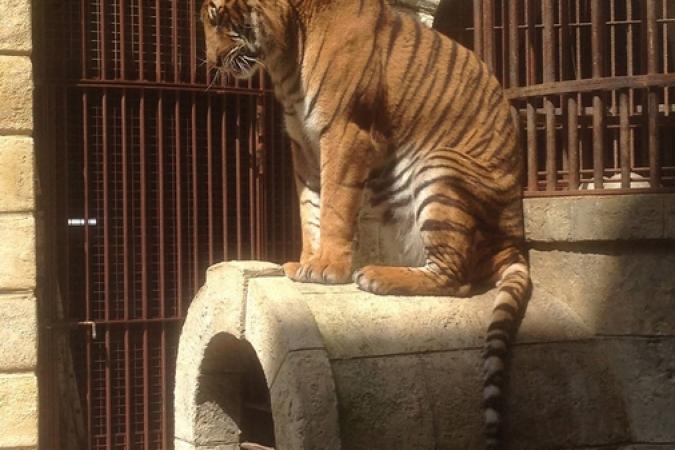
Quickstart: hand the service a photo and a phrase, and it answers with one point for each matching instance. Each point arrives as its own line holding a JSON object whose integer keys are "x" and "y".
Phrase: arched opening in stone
{"x": 233, "y": 401}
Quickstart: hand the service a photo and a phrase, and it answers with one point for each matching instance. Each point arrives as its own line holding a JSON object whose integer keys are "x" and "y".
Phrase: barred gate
{"x": 150, "y": 172}
{"x": 592, "y": 83}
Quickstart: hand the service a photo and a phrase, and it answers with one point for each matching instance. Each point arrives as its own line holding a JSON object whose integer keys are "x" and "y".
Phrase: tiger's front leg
{"x": 346, "y": 159}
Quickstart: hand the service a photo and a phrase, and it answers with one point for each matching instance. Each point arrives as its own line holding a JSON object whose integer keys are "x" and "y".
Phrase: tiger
{"x": 376, "y": 103}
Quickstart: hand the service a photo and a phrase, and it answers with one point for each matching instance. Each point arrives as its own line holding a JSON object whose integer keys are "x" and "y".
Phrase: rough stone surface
{"x": 17, "y": 252}
{"x": 304, "y": 403}
{"x": 18, "y": 332}
{"x": 627, "y": 291}
{"x": 218, "y": 309}
{"x": 18, "y": 410}
{"x": 592, "y": 366}
{"x": 15, "y": 33}
{"x": 646, "y": 370}
{"x": 16, "y": 92}
{"x": 16, "y": 173}
{"x": 600, "y": 218}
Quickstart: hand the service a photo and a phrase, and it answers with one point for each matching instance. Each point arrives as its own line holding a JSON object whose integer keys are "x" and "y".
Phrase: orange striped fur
{"x": 374, "y": 100}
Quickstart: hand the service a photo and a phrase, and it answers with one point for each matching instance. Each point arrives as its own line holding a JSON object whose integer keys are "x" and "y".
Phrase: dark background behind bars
{"x": 149, "y": 172}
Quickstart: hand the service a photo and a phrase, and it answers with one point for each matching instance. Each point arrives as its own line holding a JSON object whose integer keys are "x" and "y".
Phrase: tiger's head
{"x": 238, "y": 32}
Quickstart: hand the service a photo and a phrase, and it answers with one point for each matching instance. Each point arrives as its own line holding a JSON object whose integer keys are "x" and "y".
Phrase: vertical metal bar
{"x": 141, "y": 42}
{"x": 478, "y": 27}
{"x": 251, "y": 175}
{"x": 209, "y": 176}
{"x": 162, "y": 256}
{"x": 125, "y": 205}
{"x": 144, "y": 272}
{"x": 652, "y": 99}
{"x": 624, "y": 144}
{"x": 195, "y": 196}
{"x": 122, "y": 28}
{"x": 530, "y": 48}
{"x": 238, "y": 175}
{"x": 514, "y": 47}
{"x": 488, "y": 34}
{"x": 158, "y": 46}
{"x": 84, "y": 21}
{"x": 106, "y": 209}
{"x": 174, "y": 40}
{"x": 101, "y": 42}
{"x": 598, "y": 48}
{"x": 531, "y": 148}
{"x": 179, "y": 211}
{"x": 223, "y": 174}
{"x": 87, "y": 257}
{"x": 108, "y": 390}
{"x": 146, "y": 389}
{"x": 125, "y": 265}
{"x": 572, "y": 143}
{"x": 193, "y": 44}
{"x": 549, "y": 77}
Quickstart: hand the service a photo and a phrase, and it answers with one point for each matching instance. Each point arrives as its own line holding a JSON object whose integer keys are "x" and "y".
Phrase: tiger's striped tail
{"x": 509, "y": 305}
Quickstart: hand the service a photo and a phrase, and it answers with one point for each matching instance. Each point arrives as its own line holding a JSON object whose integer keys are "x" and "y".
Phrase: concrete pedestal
{"x": 305, "y": 366}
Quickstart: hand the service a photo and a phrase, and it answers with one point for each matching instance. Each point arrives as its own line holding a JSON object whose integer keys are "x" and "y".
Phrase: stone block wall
{"x": 18, "y": 309}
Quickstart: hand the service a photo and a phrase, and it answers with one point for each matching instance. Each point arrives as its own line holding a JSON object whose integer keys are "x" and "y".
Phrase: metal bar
{"x": 223, "y": 174}
{"x": 514, "y": 47}
{"x": 122, "y": 42}
{"x": 597, "y": 45}
{"x": 193, "y": 44}
{"x": 101, "y": 41}
{"x": 87, "y": 256}
{"x": 162, "y": 267}
{"x": 125, "y": 206}
{"x": 179, "y": 209}
{"x": 141, "y": 42}
{"x": 108, "y": 391}
{"x": 158, "y": 46}
{"x": 624, "y": 143}
{"x": 144, "y": 209}
{"x": 652, "y": 99}
{"x": 195, "y": 196}
{"x": 590, "y": 85}
{"x": 127, "y": 392}
{"x": 209, "y": 177}
{"x": 146, "y": 391}
{"x": 174, "y": 40}
{"x": 572, "y": 143}
{"x": 150, "y": 85}
{"x": 488, "y": 35}
{"x": 530, "y": 47}
{"x": 238, "y": 176}
{"x": 531, "y": 148}
{"x": 251, "y": 176}
{"x": 549, "y": 77}
{"x": 83, "y": 38}
{"x": 478, "y": 27}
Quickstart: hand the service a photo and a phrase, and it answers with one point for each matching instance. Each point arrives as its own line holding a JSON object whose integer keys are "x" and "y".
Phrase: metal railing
{"x": 592, "y": 84}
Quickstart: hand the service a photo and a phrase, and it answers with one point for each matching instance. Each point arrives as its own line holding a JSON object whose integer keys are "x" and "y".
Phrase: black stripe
{"x": 395, "y": 30}
{"x": 439, "y": 225}
{"x": 507, "y": 308}
{"x": 443, "y": 200}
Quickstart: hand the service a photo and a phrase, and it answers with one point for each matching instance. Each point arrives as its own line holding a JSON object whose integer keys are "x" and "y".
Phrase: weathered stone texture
{"x": 16, "y": 92}
{"x": 15, "y": 32}
{"x": 630, "y": 291}
{"x": 18, "y": 332}
{"x": 600, "y": 218}
{"x": 18, "y": 410}
{"x": 16, "y": 173}
{"x": 17, "y": 252}
{"x": 405, "y": 372}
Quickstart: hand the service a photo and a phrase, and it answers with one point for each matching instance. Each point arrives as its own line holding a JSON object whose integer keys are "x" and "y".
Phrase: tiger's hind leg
{"x": 447, "y": 225}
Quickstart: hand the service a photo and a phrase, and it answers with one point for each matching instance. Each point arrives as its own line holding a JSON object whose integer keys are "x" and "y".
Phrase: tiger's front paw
{"x": 319, "y": 270}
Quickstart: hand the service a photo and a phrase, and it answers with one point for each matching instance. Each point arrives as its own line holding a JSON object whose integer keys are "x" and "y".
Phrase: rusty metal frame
{"x": 162, "y": 171}
{"x": 591, "y": 82}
